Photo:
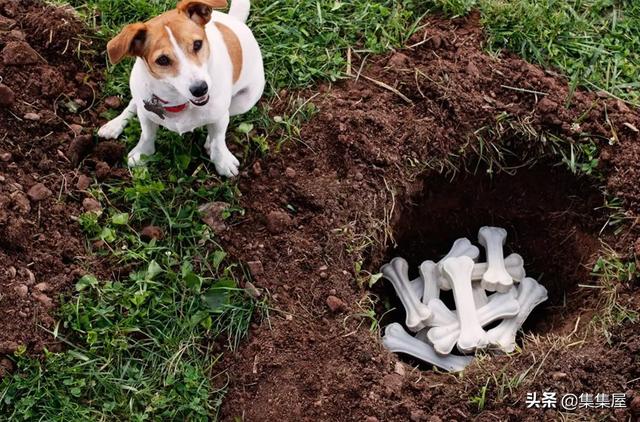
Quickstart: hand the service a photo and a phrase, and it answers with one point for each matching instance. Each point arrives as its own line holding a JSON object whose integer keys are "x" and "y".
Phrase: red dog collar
{"x": 172, "y": 109}
{"x": 176, "y": 109}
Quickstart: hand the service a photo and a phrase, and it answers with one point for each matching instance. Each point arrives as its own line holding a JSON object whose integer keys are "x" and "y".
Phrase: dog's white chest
{"x": 187, "y": 120}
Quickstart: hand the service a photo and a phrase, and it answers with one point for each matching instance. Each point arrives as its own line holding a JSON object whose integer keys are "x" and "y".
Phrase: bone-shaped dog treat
{"x": 461, "y": 247}
{"x": 430, "y": 275}
{"x": 500, "y": 305}
{"x": 479, "y": 295}
{"x": 427, "y": 285}
{"x": 530, "y": 295}
{"x": 440, "y": 316}
{"x": 514, "y": 264}
{"x": 397, "y": 272}
{"x": 496, "y": 277}
{"x": 397, "y": 340}
{"x": 458, "y": 272}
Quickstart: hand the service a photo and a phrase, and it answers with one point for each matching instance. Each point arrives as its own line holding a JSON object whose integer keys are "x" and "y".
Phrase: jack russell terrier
{"x": 194, "y": 67}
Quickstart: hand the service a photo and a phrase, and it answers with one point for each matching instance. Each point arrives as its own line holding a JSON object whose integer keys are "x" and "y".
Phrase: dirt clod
{"x": 255, "y": 268}
{"x": 111, "y": 152}
{"x": 336, "y": 304}
{"x": 76, "y": 128}
{"x": 91, "y": 205}
{"x": 103, "y": 171}
{"x": 22, "y": 290}
{"x": 83, "y": 182}
{"x": 212, "y": 215}
{"x": 252, "y": 290}
{"x": 152, "y": 232}
{"x": 39, "y": 192}
{"x": 32, "y": 116}
{"x": 79, "y": 148}
{"x": 6, "y": 367}
{"x": 7, "y": 96}
{"x": 42, "y": 287}
{"x": 8, "y": 347}
{"x": 278, "y": 222}
{"x": 113, "y": 102}
{"x": 44, "y": 300}
{"x": 18, "y": 53}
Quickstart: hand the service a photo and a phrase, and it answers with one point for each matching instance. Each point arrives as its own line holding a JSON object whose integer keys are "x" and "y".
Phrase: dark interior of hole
{"x": 550, "y": 215}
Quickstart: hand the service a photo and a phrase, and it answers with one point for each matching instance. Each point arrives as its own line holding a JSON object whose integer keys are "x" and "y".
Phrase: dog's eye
{"x": 163, "y": 61}
{"x": 197, "y": 45}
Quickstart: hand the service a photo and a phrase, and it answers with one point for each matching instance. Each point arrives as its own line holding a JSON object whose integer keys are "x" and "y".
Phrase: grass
{"x": 144, "y": 346}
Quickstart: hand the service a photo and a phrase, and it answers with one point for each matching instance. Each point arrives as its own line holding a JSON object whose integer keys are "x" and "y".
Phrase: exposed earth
{"x": 388, "y": 166}
{"x": 47, "y": 111}
{"x": 356, "y": 189}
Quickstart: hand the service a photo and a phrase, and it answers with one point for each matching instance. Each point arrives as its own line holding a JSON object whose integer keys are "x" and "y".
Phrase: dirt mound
{"x": 376, "y": 148}
{"x": 46, "y": 99}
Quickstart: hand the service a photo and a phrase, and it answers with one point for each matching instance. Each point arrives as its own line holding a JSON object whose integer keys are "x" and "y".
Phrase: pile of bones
{"x": 439, "y": 329}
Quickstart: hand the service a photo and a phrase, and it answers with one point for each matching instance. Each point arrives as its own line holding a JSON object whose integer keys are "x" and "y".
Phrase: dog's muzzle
{"x": 201, "y": 101}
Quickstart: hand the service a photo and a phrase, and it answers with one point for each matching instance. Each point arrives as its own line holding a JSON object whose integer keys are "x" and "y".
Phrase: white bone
{"x": 479, "y": 295}
{"x": 458, "y": 272}
{"x": 530, "y": 294}
{"x": 514, "y": 264}
{"x": 397, "y": 340}
{"x": 500, "y": 305}
{"x": 397, "y": 272}
{"x": 430, "y": 275}
{"x": 461, "y": 247}
{"x": 417, "y": 286}
{"x": 496, "y": 277}
{"x": 440, "y": 314}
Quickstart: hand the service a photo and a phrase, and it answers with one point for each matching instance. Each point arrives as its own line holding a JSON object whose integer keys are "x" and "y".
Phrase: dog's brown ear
{"x": 129, "y": 42}
{"x": 199, "y": 11}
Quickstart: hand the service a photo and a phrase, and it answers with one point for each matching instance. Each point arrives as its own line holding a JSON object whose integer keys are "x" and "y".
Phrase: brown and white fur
{"x": 194, "y": 67}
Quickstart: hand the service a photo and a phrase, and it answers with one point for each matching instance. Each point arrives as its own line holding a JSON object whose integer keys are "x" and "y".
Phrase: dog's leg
{"x": 114, "y": 128}
{"x": 147, "y": 143}
{"x": 225, "y": 162}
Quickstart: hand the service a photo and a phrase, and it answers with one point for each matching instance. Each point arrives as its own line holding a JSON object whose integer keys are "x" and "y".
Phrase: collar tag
{"x": 157, "y": 106}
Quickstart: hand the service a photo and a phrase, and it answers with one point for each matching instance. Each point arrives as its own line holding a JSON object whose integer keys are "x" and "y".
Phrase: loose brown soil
{"x": 46, "y": 100}
{"x": 374, "y": 178}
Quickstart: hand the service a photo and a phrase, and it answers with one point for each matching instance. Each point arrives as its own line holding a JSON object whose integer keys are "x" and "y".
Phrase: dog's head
{"x": 174, "y": 46}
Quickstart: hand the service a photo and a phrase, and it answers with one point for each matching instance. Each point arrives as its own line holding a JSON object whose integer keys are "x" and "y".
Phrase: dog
{"x": 194, "y": 67}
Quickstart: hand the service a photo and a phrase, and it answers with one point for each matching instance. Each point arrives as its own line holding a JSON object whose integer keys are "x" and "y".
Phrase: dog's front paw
{"x": 135, "y": 157}
{"x": 112, "y": 129}
{"x": 226, "y": 163}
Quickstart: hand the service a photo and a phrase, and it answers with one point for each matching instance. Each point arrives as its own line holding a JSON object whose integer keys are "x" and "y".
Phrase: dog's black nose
{"x": 199, "y": 88}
